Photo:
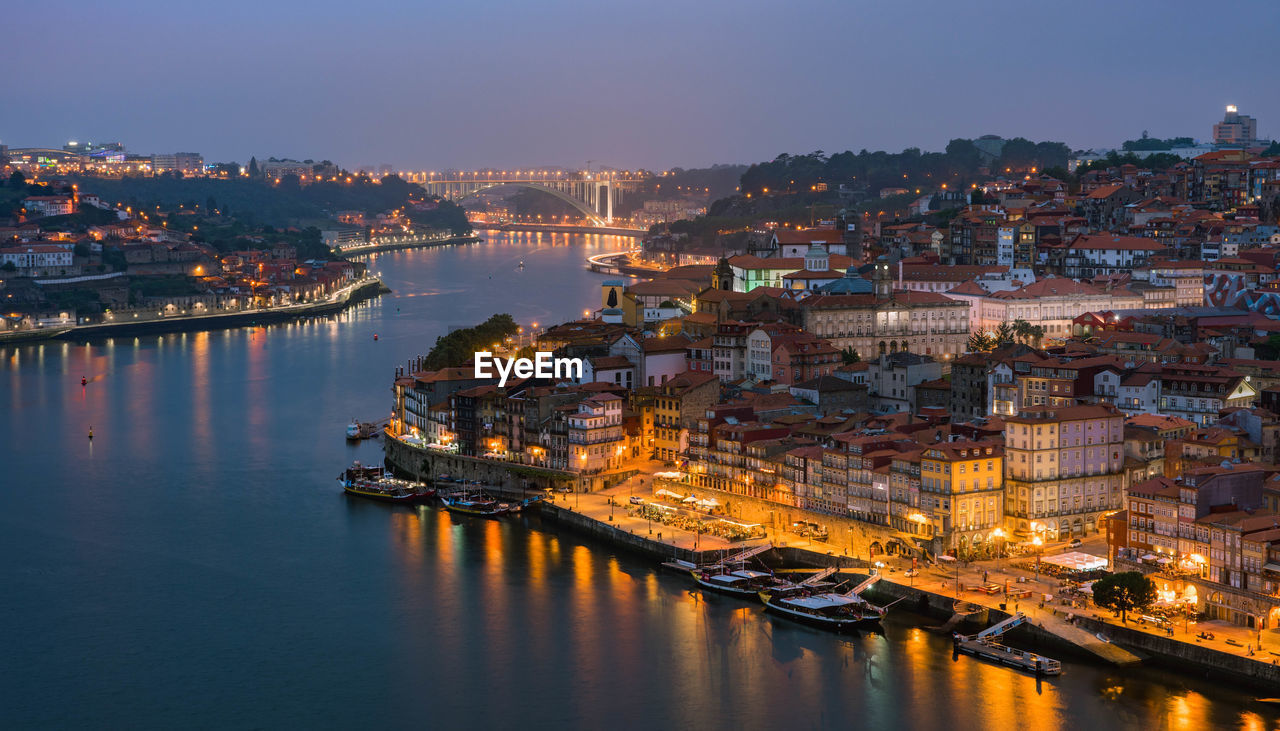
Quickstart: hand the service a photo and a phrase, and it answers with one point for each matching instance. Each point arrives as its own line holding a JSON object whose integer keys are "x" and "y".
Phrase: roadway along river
{"x": 196, "y": 564}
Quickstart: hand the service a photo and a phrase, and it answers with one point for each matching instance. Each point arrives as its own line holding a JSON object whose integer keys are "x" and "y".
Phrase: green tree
{"x": 9, "y": 266}
{"x": 253, "y": 167}
{"x": 849, "y": 355}
{"x": 1124, "y": 592}
{"x": 1025, "y": 332}
{"x": 460, "y": 346}
{"x": 1003, "y": 335}
{"x": 17, "y": 179}
{"x": 980, "y": 341}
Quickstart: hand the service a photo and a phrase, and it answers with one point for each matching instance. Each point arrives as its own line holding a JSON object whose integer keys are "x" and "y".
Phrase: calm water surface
{"x": 197, "y": 565}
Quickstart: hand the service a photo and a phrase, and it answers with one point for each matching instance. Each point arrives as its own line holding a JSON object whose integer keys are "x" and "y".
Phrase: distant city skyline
{"x": 492, "y": 85}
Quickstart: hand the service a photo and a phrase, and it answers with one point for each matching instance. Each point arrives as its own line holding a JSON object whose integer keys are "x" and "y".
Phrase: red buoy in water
{"x": 375, "y": 336}
{"x": 83, "y": 381}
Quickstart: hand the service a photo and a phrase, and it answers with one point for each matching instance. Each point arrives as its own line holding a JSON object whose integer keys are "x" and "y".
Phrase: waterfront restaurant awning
{"x": 670, "y": 494}
{"x": 1076, "y": 561}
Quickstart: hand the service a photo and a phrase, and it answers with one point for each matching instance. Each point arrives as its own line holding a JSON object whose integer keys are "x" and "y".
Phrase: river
{"x": 195, "y": 564}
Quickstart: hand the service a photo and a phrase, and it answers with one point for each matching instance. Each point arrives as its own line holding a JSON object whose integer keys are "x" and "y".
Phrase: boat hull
{"x": 745, "y": 592}
{"x": 481, "y": 511}
{"x": 402, "y": 498}
{"x": 834, "y": 624}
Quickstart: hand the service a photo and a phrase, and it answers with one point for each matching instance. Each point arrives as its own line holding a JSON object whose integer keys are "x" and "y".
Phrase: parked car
{"x": 637, "y": 500}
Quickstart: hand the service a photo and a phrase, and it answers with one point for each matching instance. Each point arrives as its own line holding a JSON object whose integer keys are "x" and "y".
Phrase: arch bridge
{"x": 593, "y": 197}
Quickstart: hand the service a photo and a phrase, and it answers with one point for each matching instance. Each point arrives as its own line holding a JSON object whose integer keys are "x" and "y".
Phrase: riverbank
{"x": 601, "y": 515}
{"x": 410, "y": 242}
{"x": 620, "y": 263}
{"x": 354, "y": 293}
{"x": 1082, "y": 638}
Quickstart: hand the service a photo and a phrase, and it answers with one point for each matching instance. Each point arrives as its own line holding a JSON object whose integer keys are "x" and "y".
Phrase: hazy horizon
{"x": 504, "y": 85}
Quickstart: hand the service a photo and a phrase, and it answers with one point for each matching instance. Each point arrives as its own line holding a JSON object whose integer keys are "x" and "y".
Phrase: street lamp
{"x": 998, "y": 533}
{"x": 1037, "y": 541}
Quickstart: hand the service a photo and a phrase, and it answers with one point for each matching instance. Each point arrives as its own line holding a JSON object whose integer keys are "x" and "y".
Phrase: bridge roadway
{"x": 635, "y": 233}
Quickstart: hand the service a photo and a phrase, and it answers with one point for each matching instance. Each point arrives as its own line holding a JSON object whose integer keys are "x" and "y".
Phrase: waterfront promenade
{"x": 351, "y": 293}
{"x": 1089, "y": 630}
{"x": 399, "y": 243}
{"x": 1061, "y": 620}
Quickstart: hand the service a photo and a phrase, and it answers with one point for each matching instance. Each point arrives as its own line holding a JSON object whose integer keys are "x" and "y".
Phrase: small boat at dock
{"x": 838, "y": 612}
{"x": 805, "y": 602}
{"x": 358, "y": 430}
{"x": 376, "y": 483}
{"x": 477, "y": 504}
{"x": 814, "y": 583}
{"x": 742, "y": 582}
{"x": 681, "y": 566}
{"x": 731, "y": 575}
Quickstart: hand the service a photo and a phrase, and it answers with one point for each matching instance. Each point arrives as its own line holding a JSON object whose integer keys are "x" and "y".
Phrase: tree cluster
{"x": 1020, "y": 331}
{"x": 458, "y": 347}
{"x": 1156, "y": 161}
{"x": 1155, "y": 144}
{"x": 959, "y": 164}
{"x": 1124, "y": 592}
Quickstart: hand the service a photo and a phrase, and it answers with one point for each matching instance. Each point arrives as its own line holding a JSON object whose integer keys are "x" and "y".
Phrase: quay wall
{"x": 424, "y": 243}
{"x": 427, "y": 464}
{"x": 615, "y": 536}
{"x": 196, "y": 323}
{"x": 1189, "y": 657}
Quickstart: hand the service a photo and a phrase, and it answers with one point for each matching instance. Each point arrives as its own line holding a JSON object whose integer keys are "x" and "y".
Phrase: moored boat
{"x": 358, "y": 430}
{"x": 741, "y": 582}
{"x": 480, "y": 505}
{"x": 827, "y": 610}
{"x": 376, "y": 483}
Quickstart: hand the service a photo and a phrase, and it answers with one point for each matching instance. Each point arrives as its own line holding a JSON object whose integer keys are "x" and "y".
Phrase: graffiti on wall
{"x": 1230, "y": 290}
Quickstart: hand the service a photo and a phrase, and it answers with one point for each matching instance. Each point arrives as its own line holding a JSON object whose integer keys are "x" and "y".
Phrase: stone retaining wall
{"x": 425, "y": 464}
{"x": 1189, "y": 657}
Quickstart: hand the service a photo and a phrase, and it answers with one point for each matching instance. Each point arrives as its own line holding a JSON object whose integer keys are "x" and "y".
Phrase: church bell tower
{"x": 723, "y": 276}
{"x": 882, "y": 279}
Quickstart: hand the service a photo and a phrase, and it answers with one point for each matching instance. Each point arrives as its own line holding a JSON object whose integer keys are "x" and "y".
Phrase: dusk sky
{"x": 476, "y": 84}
